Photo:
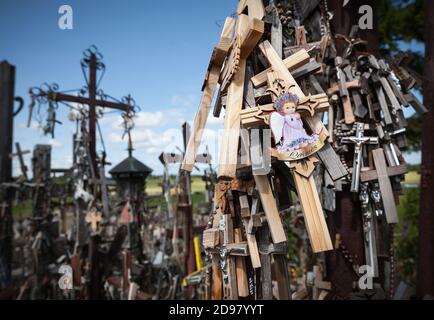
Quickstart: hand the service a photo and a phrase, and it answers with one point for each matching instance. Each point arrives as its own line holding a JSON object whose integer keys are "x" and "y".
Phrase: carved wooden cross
{"x": 302, "y": 169}
{"x": 93, "y": 217}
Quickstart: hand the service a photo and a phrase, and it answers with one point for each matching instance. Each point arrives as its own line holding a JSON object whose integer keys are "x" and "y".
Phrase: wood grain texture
{"x": 270, "y": 208}
{"x": 313, "y": 215}
{"x": 240, "y": 265}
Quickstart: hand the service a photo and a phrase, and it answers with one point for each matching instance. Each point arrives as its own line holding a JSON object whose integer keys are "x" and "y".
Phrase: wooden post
{"x": 7, "y": 89}
{"x": 41, "y": 176}
{"x": 425, "y": 274}
{"x": 248, "y": 32}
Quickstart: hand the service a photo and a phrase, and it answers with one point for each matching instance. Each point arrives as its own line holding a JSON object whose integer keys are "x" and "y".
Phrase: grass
{"x": 153, "y": 184}
{"x": 412, "y": 177}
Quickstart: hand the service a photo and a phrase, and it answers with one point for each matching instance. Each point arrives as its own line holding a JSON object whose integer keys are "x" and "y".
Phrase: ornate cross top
{"x": 91, "y": 63}
{"x": 93, "y": 217}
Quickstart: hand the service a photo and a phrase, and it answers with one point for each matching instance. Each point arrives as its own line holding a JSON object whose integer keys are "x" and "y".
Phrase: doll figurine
{"x": 287, "y": 125}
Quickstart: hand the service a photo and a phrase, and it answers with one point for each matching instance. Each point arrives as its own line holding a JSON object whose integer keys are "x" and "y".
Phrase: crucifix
{"x": 93, "y": 62}
{"x": 358, "y": 140}
{"x": 369, "y": 227}
{"x": 301, "y": 163}
{"x": 382, "y": 174}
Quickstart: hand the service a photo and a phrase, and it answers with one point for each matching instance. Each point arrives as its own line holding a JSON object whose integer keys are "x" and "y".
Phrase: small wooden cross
{"x": 93, "y": 217}
{"x": 320, "y": 287}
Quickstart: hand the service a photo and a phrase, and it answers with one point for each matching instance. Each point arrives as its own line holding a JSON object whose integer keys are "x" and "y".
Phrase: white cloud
{"x": 55, "y": 143}
{"x": 33, "y": 125}
{"x": 150, "y": 119}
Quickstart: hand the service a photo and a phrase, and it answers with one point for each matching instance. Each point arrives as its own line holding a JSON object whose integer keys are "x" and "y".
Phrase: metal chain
{"x": 339, "y": 133}
{"x": 392, "y": 262}
{"x": 325, "y": 25}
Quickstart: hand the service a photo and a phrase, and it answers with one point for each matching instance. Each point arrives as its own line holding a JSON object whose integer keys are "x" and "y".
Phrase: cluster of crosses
{"x": 278, "y": 90}
{"x": 309, "y": 162}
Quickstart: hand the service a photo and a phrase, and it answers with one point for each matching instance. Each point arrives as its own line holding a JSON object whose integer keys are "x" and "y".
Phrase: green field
{"x": 153, "y": 184}
{"x": 412, "y": 177}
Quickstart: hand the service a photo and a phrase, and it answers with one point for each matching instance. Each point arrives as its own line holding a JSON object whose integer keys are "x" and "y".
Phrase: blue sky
{"x": 157, "y": 51}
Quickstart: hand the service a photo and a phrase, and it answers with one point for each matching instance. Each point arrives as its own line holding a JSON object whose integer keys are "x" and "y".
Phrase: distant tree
{"x": 398, "y": 21}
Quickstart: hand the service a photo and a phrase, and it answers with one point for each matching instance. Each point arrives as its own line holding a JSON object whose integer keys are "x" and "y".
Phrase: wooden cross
{"x": 93, "y": 217}
{"x": 342, "y": 88}
{"x": 320, "y": 287}
{"x": 20, "y": 154}
{"x": 94, "y": 63}
{"x": 246, "y": 217}
{"x": 302, "y": 169}
{"x": 382, "y": 174}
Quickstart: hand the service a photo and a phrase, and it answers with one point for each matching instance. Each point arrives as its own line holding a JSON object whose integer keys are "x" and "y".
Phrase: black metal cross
{"x": 92, "y": 60}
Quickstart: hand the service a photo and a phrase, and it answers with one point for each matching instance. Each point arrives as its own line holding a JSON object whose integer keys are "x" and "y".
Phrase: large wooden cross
{"x": 302, "y": 169}
{"x": 92, "y": 101}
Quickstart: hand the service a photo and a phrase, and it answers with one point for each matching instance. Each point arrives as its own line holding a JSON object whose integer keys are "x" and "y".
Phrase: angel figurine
{"x": 287, "y": 125}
